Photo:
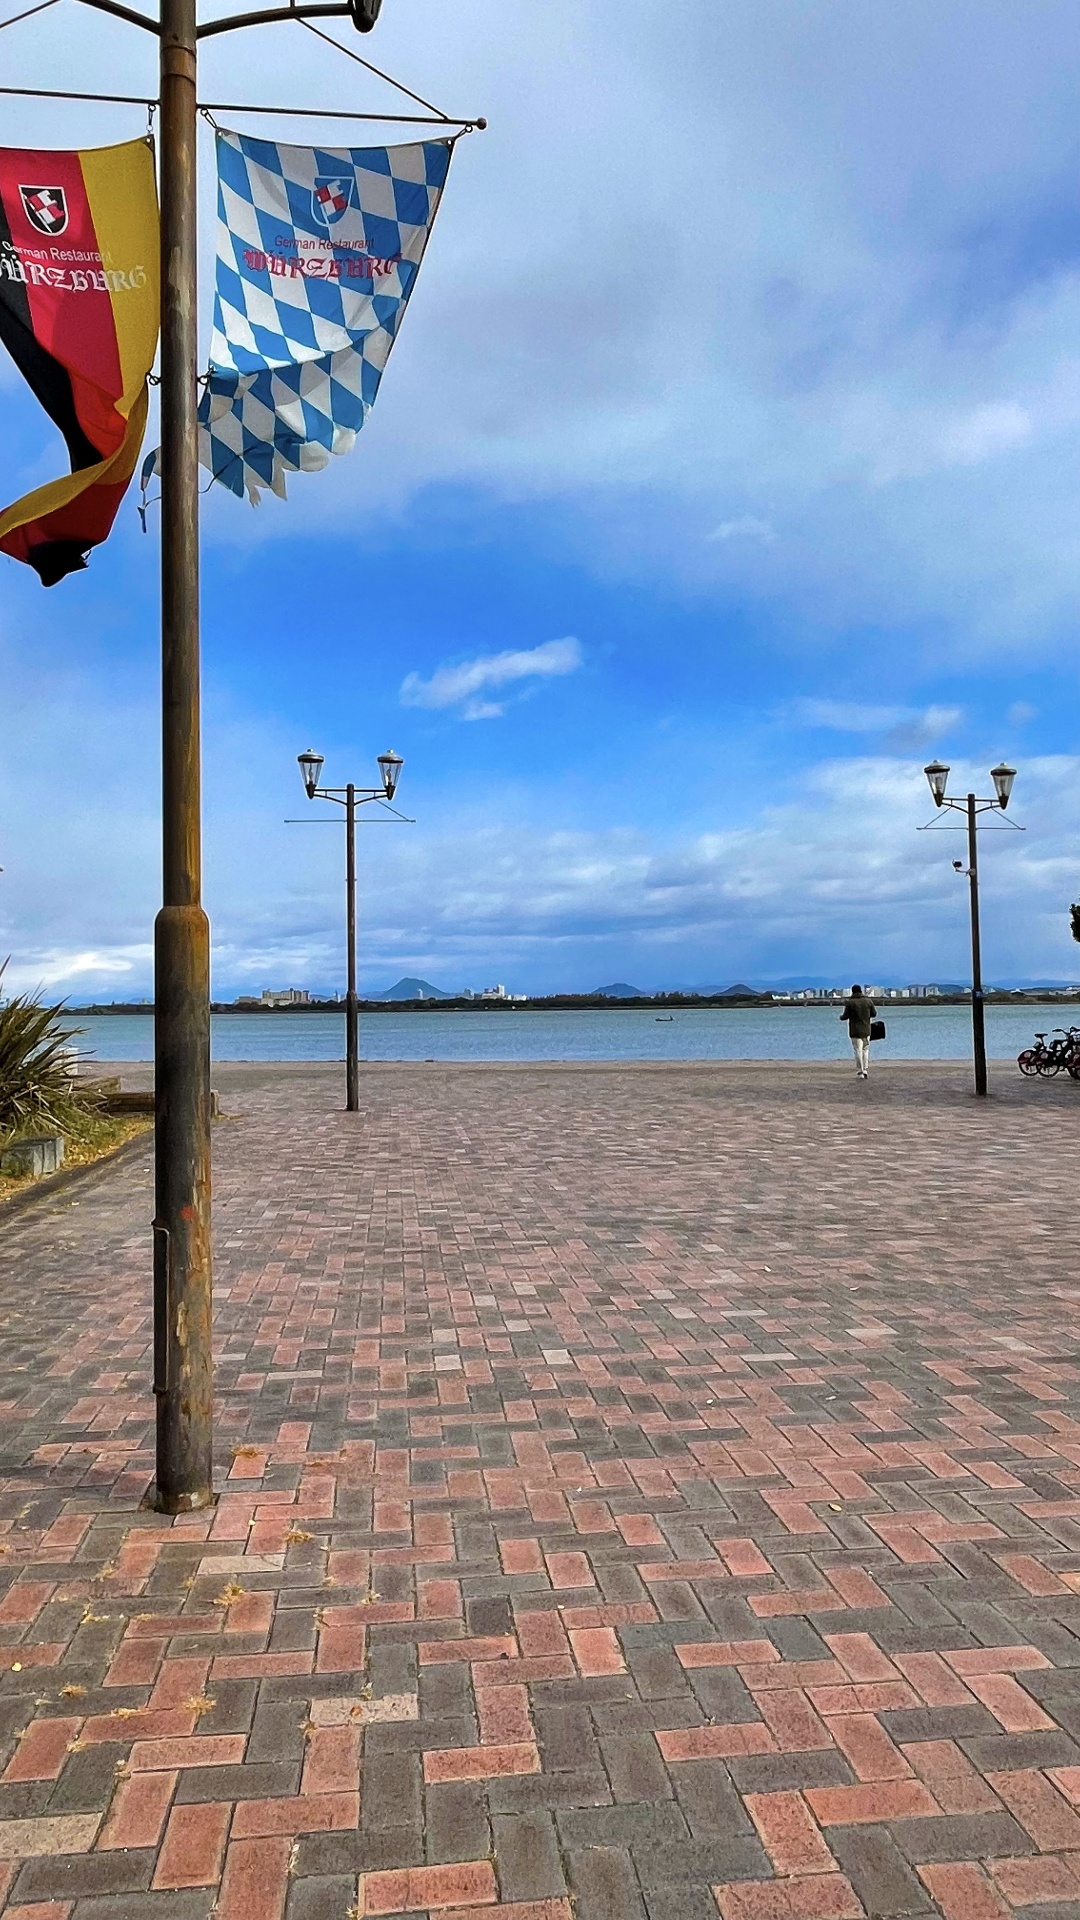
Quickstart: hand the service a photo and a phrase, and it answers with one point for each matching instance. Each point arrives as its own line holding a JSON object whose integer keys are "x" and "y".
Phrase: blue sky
{"x": 725, "y": 471}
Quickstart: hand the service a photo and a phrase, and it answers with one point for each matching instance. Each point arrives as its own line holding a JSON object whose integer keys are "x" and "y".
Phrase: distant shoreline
{"x": 580, "y": 1003}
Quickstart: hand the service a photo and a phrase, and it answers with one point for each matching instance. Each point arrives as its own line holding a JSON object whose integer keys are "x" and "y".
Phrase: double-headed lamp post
{"x": 350, "y": 797}
{"x": 937, "y": 773}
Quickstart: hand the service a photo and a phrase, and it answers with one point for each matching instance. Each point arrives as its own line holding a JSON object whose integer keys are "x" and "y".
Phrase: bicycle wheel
{"x": 1050, "y": 1064}
{"x": 1028, "y": 1061}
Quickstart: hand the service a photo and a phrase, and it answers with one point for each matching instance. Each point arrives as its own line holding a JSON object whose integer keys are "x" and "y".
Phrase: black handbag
{"x": 877, "y": 1029}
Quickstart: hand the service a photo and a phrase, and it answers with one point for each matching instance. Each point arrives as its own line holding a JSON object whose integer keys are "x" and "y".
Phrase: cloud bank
{"x": 462, "y": 685}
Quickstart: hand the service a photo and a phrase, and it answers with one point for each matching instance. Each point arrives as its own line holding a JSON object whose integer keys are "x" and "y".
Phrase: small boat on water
{"x": 661, "y": 1017}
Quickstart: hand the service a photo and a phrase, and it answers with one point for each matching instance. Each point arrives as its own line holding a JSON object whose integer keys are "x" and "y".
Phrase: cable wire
{"x": 40, "y": 8}
{"x": 390, "y": 81}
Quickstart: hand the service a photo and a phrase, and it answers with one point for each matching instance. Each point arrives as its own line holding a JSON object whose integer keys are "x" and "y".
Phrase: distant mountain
{"x": 411, "y": 990}
{"x": 620, "y": 991}
{"x": 712, "y": 992}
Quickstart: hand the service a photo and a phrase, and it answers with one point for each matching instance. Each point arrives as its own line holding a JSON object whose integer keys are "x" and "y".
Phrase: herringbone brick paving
{"x": 646, "y": 1494}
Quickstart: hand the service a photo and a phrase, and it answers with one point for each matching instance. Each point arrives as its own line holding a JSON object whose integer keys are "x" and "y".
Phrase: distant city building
{"x": 818, "y": 996}
{"x": 285, "y": 997}
{"x": 495, "y": 993}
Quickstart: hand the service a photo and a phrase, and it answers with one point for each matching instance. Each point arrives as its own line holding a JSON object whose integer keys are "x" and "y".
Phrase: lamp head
{"x": 1003, "y": 777}
{"x": 937, "y": 773}
{"x": 390, "y": 765}
{"x": 311, "y": 766}
{"x": 364, "y": 14}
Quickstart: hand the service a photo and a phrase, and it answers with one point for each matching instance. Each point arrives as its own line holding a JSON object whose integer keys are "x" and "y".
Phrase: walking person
{"x": 859, "y": 1013}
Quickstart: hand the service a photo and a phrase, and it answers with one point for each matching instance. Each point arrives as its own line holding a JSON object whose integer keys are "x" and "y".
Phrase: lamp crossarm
{"x": 123, "y": 13}
{"x": 981, "y": 806}
{"x": 341, "y": 794}
{"x": 265, "y": 16}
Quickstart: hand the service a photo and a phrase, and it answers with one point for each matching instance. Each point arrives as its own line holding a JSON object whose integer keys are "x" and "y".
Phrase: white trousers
{"x": 861, "y": 1050}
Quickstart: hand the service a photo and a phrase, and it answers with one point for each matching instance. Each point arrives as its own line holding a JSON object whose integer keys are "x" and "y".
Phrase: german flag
{"x": 79, "y": 312}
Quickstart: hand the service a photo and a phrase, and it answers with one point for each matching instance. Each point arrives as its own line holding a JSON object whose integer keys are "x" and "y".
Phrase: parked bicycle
{"x": 1053, "y": 1053}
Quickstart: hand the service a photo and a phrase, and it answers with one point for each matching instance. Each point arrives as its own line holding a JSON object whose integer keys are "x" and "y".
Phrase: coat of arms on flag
{"x": 45, "y": 208}
{"x": 330, "y": 199}
{"x": 318, "y": 252}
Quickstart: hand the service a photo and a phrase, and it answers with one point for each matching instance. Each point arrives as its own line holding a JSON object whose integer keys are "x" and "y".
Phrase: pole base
{"x": 154, "y": 1501}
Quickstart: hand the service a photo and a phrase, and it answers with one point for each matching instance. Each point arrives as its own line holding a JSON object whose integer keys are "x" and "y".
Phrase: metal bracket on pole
{"x": 163, "y": 1372}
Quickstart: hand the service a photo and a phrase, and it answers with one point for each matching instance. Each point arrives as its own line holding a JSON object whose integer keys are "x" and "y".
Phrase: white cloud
{"x": 906, "y": 729}
{"x": 845, "y": 716}
{"x": 59, "y": 968}
{"x": 459, "y": 686}
{"x": 919, "y": 440}
{"x": 747, "y": 527}
{"x": 985, "y": 431}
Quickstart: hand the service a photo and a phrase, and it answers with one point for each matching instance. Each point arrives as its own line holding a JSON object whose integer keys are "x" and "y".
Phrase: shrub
{"x": 36, "y": 1094}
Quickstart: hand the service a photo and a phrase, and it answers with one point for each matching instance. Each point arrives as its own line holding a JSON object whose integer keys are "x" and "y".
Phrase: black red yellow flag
{"x": 79, "y": 312}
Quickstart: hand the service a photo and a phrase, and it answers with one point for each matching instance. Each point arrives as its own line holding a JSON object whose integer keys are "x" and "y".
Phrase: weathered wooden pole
{"x": 182, "y": 1267}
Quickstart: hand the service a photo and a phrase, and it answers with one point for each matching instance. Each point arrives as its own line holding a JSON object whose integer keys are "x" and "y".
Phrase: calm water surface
{"x": 707, "y": 1033}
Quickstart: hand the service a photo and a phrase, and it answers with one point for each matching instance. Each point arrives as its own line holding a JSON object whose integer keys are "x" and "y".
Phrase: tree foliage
{"x": 36, "y": 1094}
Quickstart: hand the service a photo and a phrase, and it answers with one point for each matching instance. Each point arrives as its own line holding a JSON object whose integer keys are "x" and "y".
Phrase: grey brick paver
{"x": 606, "y": 1455}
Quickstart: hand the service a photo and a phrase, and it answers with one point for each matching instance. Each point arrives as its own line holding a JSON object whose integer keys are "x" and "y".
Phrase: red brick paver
{"x": 645, "y": 1494}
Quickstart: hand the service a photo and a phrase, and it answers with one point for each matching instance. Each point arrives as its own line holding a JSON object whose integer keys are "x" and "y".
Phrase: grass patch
{"x": 92, "y": 1136}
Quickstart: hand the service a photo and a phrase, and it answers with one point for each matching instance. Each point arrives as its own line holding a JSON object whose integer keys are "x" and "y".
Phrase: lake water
{"x": 706, "y": 1033}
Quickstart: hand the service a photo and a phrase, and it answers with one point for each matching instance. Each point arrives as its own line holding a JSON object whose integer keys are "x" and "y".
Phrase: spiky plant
{"x": 35, "y": 1087}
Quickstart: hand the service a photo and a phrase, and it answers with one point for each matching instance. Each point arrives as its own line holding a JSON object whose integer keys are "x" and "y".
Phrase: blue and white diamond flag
{"x": 318, "y": 252}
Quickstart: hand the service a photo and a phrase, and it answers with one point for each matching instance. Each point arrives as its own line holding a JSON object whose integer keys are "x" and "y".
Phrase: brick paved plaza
{"x": 647, "y": 1493}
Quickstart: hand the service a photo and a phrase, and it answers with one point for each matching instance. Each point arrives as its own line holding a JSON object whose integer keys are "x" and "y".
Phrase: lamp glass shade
{"x": 311, "y": 766}
{"x": 390, "y": 765}
{"x": 938, "y": 775}
{"x": 1003, "y": 778}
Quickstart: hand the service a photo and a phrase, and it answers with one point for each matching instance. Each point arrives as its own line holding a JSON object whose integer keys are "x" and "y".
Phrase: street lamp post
{"x": 350, "y": 797}
{"x": 183, "y": 1361}
{"x": 971, "y": 806}
{"x": 182, "y": 1263}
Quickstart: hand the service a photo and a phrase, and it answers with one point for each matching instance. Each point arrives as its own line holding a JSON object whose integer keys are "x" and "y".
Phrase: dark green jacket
{"x": 858, "y": 1013}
